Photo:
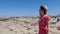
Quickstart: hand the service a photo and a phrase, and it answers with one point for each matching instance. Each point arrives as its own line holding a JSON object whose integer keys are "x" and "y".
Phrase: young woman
{"x": 43, "y": 20}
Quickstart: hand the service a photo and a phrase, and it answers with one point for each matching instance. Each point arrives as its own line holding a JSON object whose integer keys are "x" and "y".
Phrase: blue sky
{"x": 28, "y": 7}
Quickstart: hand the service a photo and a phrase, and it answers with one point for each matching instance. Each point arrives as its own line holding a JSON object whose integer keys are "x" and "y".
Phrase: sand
{"x": 23, "y": 26}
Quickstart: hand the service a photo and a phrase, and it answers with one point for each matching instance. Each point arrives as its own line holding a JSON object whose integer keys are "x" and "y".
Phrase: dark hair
{"x": 44, "y": 8}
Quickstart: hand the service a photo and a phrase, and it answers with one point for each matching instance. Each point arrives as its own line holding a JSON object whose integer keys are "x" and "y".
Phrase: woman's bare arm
{"x": 48, "y": 24}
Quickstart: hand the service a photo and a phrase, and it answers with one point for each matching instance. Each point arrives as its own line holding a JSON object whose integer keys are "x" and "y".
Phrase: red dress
{"x": 42, "y": 24}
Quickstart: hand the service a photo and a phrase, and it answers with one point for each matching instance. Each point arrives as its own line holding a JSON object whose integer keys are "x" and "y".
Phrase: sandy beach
{"x": 22, "y": 25}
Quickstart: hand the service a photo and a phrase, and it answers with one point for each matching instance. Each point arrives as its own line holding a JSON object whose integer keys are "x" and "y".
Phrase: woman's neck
{"x": 43, "y": 15}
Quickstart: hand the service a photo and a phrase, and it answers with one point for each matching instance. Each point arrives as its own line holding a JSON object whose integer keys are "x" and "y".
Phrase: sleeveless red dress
{"x": 42, "y": 25}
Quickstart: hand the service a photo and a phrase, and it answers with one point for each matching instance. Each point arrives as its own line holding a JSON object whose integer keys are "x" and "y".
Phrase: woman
{"x": 43, "y": 20}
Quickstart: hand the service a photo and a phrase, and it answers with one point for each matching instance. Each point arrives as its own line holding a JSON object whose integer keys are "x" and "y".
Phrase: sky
{"x": 28, "y": 7}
